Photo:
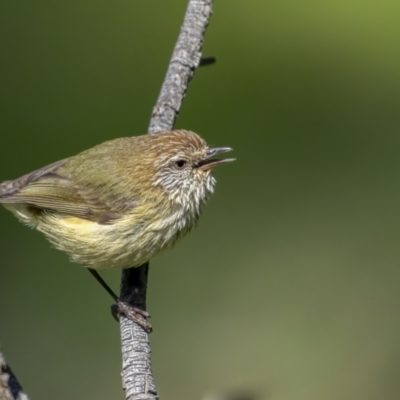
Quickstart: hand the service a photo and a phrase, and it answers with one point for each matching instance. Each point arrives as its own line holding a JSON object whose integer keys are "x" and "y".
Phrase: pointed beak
{"x": 208, "y": 162}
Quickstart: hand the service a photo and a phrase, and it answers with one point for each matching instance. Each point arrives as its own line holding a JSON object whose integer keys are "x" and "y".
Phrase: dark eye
{"x": 180, "y": 163}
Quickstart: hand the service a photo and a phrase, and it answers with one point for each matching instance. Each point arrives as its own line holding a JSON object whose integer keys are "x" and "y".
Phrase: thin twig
{"x": 10, "y": 389}
{"x": 185, "y": 59}
{"x": 137, "y": 377}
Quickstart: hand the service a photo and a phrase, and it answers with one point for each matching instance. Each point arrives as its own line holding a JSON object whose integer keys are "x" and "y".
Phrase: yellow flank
{"x": 78, "y": 223}
{"x": 129, "y": 242}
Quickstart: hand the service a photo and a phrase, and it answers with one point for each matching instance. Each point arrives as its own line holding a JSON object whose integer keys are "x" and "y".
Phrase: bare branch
{"x": 137, "y": 376}
{"x": 10, "y": 389}
{"x": 185, "y": 59}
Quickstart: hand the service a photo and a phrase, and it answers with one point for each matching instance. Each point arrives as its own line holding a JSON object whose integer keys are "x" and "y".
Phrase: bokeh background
{"x": 289, "y": 287}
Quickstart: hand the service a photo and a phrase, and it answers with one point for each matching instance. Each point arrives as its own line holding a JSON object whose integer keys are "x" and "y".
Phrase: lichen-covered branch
{"x": 10, "y": 389}
{"x": 137, "y": 377}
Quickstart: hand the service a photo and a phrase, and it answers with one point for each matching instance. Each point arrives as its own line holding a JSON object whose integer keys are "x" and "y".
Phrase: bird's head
{"x": 183, "y": 164}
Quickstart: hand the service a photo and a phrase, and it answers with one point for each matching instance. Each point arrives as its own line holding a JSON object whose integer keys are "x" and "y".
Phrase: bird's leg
{"x": 133, "y": 313}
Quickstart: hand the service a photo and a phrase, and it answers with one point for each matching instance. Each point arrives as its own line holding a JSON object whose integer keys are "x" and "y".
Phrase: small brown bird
{"x": 120, "y": 203}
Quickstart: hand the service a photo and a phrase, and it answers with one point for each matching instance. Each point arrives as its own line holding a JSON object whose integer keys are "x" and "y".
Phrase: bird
{"x": 120, "y": 203}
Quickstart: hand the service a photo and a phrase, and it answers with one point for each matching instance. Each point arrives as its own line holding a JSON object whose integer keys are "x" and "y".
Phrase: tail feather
{"x": 4, "y": 188}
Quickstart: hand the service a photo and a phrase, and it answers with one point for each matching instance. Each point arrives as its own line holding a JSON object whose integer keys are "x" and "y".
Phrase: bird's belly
{"x": 119, "y": 245}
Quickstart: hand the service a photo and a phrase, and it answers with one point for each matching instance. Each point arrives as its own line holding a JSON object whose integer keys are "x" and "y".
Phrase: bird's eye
{"x": 180, "y": 163}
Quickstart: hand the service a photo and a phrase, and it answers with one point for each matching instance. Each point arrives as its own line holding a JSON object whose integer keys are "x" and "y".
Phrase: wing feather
{"x": 45, "y": 190}
{"x": 76, "y": 186}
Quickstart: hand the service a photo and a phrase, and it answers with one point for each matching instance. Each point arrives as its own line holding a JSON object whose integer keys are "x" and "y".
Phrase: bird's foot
{"x": 133, "y": 313}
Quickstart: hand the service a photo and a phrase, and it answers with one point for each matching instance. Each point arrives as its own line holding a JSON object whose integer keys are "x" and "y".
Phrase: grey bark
{"x": 10, "y": 389}
{"x": 185, "y": 59}
{"x": 137, "y": 377}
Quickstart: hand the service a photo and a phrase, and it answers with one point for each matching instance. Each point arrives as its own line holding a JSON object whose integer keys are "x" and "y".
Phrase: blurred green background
{"x": 290, "y": 285}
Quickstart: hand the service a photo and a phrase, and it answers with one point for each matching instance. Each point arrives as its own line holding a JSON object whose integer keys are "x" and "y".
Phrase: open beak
{"x": 208, "y": 162}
